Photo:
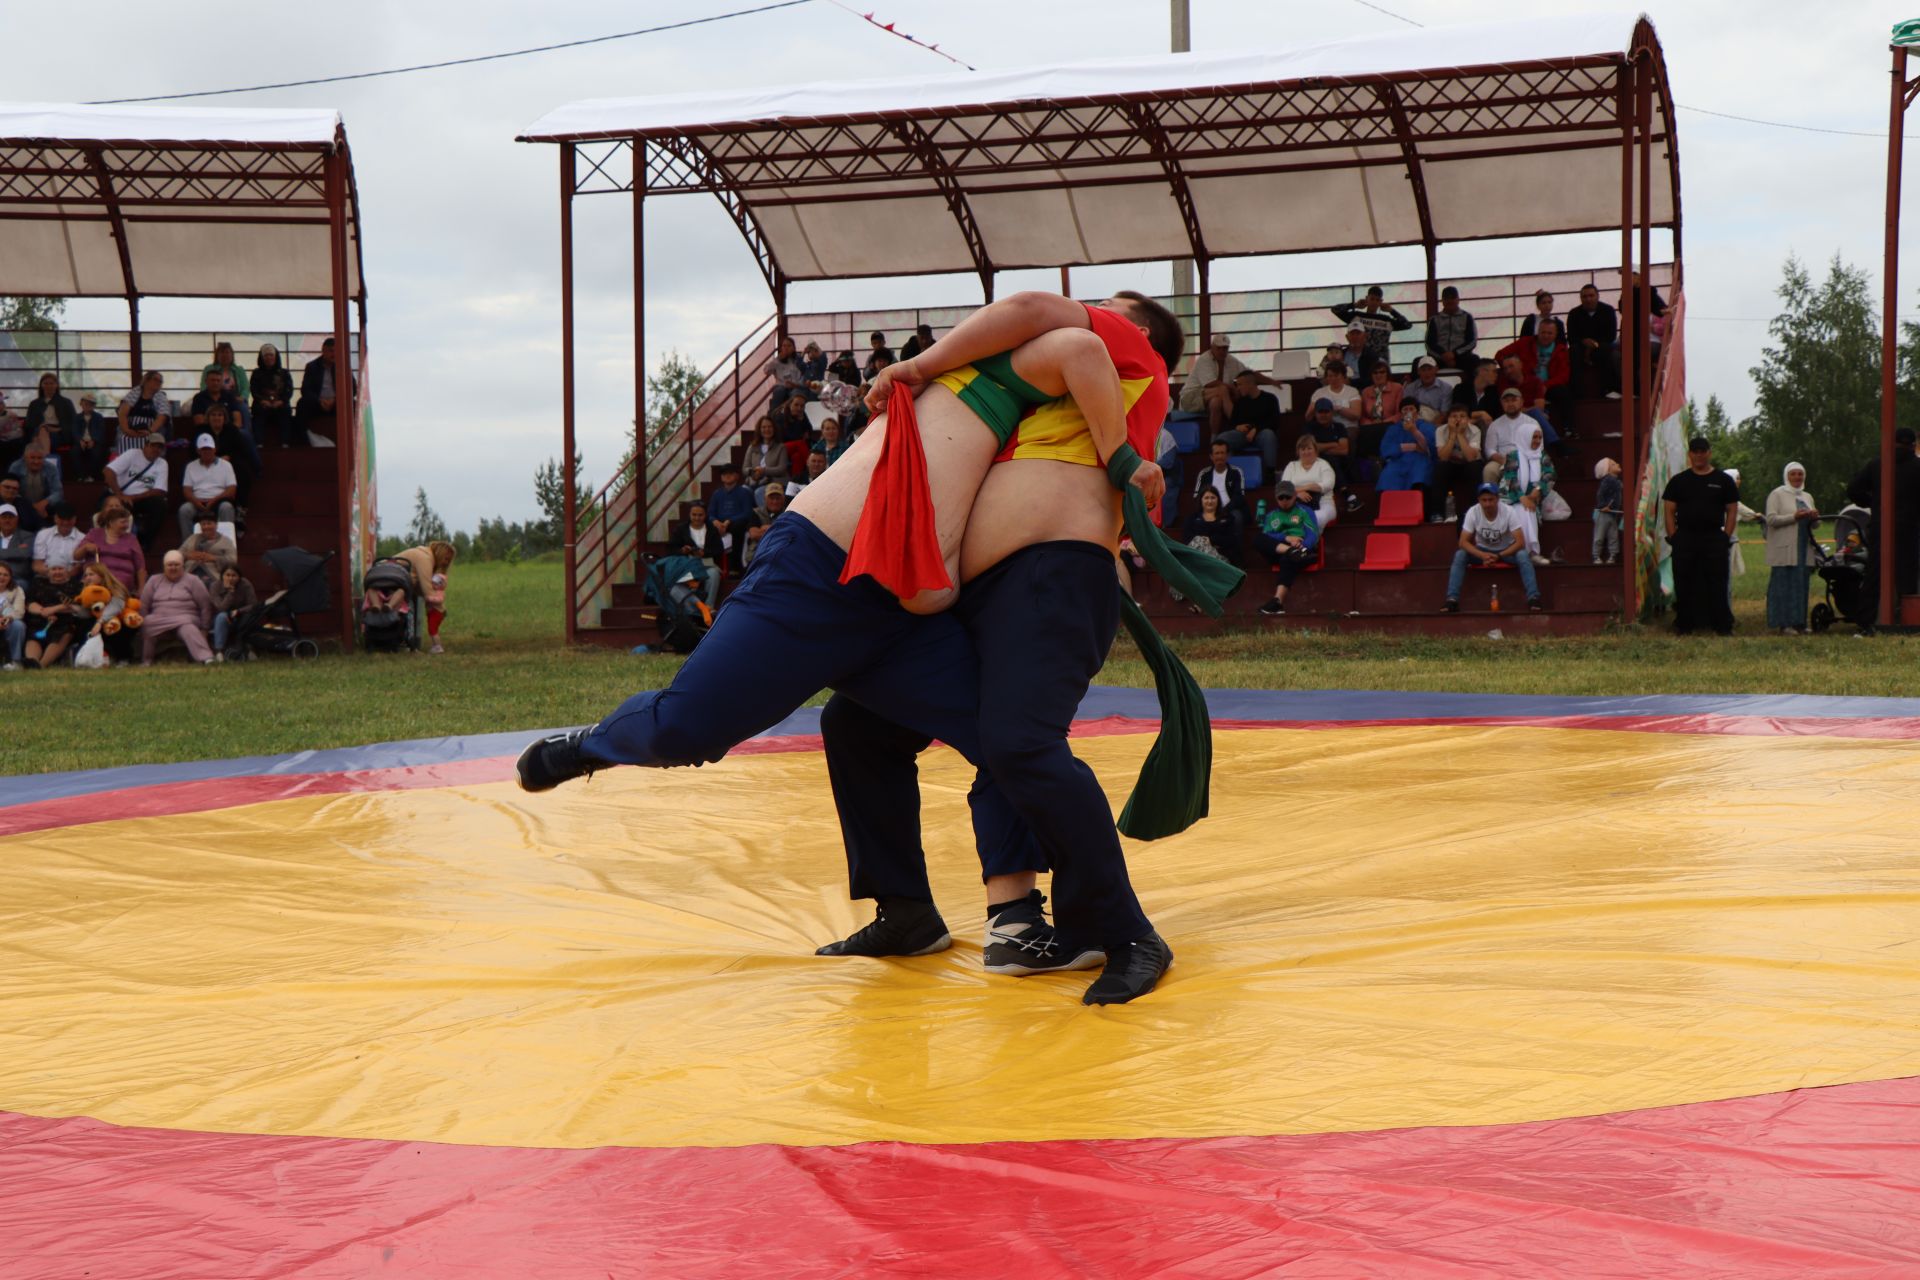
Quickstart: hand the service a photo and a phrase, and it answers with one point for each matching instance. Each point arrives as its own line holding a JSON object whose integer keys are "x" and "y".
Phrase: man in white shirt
{"x": 209, "y": 485}
{"x": 1491, "y": 532}
{"x": 1206, "y": 388}
{"x": 1505, "y": 434}
{"x": 140, "y": 479}
{"x": 55, "y": 544}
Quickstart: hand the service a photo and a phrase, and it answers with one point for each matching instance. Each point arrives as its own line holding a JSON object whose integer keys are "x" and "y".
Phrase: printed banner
{"x": 1665, "y": 453}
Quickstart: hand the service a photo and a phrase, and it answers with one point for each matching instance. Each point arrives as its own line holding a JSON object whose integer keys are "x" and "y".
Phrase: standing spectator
{"x": 59, "y": 543}
{"x": 209, "y": 485}
{"x": 1452, "y": 335}
{"x": 879, "y": 354}
{"x": 1380, "y": 321}
{"x": 49, "y": 417}
{"x": 111, "y": 542}
{"x": 1313, "y": 480}
{"x": 144, "y": 411}
{"x": 16, "y": 545}
{"x": 1222, "y": 478}
{"x": 831, "y": 445}
{"x": 1609, "y": 511}
{"x": 431, "y": 564}
{"x": 13, "y": 621}
{"x": 695, "y": 537}
{"x": 1701, "y": 505}
{"x": 174, "y": 602}
{"x": 766, "y": 457}
{"x": 53, "y": 619}
{"x": 1254, "y": 423}
{"x": 208, "y": 552}
{"x": 40, "y": 487}
{"x": 319, "y": 387}
{"x": 139, "y": 480}
{"x": 1864, "y": 491}
{"x": 231, "y": 599}
{"x": 1544, "y": 356}
{"x": 1791, "y": 518}
{"x": 1542, "y": 310}
{"x": 1379, "y": 409}
{"x": 731, "y": 512}
{"x": 1426, "y": 390}
{"x": 1289, "y": 538}
{"x": 272, "y": 388}
{"x": 1213, "y": 527}
{"x": 764, "y": 515}
{"x": 921, "y": 339}
{"x": 1456, "y": 460}
{"x": 90, "y": 440}
{"x": 1525, "y": 484}
{"x": 1406, "y": 457}
{"x": 1593, "y": 330}
{"x": 1343, "y": 396}
{"x": 234, "y": 377}
{"x": 1207, "y": 388}
{"x": 1491, "y": 532}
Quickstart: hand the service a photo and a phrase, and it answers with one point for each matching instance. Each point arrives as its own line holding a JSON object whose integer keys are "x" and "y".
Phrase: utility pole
{"x": 1182, "y": 43}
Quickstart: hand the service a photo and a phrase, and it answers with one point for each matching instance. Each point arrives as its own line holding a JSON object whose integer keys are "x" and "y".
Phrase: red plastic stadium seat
{"x": 1400, "y": 507}
{"x": 1387, "y": 552}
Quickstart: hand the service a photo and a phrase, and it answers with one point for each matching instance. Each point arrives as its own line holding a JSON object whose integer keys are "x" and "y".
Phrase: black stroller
{"x": 1853, "y": 592}
{"x": 273, "y": 625}
{"x": 395, "y": 625}
{"x": 673, "y": 582}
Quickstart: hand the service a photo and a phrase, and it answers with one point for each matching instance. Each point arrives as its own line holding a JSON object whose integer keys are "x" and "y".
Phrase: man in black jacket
{"x": 1864, "y": 491}
{"x": 1592, "y": 329}
{"x": 1225, "y": 479}
{"x": 318, "y": 387}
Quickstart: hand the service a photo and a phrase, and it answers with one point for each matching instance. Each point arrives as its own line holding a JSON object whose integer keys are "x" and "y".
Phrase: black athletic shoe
{"x": 547, "y": 763}
{"x": 901, "y": 927}
{"x": 1020, "y": 942}
{"x": 1273, "y": 609}
{"x": 1451, "y": 606}
{"x": 1534, "y": 604}
{"x": 1131, "y": 971}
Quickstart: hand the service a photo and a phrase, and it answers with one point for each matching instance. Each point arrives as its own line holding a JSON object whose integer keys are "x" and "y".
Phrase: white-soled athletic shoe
{"x": 1020, "y": 942}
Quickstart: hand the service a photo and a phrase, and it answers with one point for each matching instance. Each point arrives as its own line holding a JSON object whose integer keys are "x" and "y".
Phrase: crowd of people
{"x": 85, "y": 595}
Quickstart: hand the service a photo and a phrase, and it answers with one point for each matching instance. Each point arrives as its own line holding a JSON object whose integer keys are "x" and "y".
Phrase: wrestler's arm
{"x": 1075, "y": 362}
{"x": 996, "y": 327}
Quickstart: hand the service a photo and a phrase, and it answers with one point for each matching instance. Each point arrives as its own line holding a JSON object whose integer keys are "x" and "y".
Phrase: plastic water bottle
{"x": 1260, "y": 514}
{"x": 1494, "y": 604}
{"x": 1453, "y": 508}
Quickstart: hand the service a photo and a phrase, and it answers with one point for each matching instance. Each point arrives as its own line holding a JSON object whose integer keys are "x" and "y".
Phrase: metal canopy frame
{"x": 125, "y": 182}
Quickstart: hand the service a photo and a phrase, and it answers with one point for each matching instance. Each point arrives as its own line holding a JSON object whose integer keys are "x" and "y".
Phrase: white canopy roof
{"x": 1407, "y": 137}
{"x": 187, "y": 201}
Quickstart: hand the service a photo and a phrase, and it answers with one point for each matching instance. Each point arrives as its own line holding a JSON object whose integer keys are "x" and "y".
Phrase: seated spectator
{"x": 49, "y": 418}
{"x": 319, "y": 391}
{"x": 13, "y": 621}
{"x": 237, "y": 449}
{"x": 771, "y": 505}
{"x": 105, "y": 621}
{"x": 53, "y": 619}
{"x": 1313, "y": 480}
{"x": 1479, "y": 396}
{"x": 1212, "y": 528}
{"x": 208, "y": 484}
{"x": 695, "y": 537}
{"x": 1456, "y": 459}
{"x": 1491, "y": 532}
{"x": 1406, "y": 457}
{"x": 213, "y": 390}
{"x": 1221, "y": 477}
{"x": 1343, "y": 396}
{"x": 1356, "y": 355}
{"x": 139, "y": 480}
{"x": 233, "y": 377}
{"x": 40, "y": 487}
{"x": 1379, "y": 409}
{"x": 1379, "y": 320}
{"x": 1253, "y": 425}
{"x": 1289, "y": 537}
{"x": 1524, "y": 486}
{"x": 16, "y": 545}
{"x": 232, "y": 596}
{"x": 790, "y": 420}
{"x": 1504, "y": 436}
{"x": 1544, "y": 355}
{"x": 144, "y": 411}
{"x": 13, "y": 435}
{"x": 1426, "y": 390}
{"x": 766, "y": 457}
{"x": 175, "y": 603}
{"x": 730, "y": 510}
{"x": 789, "y": 380}
{"x": 879, "y": 354}
{"x": 272, "y": 388}
{"x": 209, "y": 552}
{"x": 1593, "y": 330}
{"x": 223, "y": 416}
{"x": 830, "y": 445}
{"x": 1335, "y": 448}
{"x": 58, "y": 543}
{"x": 921, "y": 339}
{"x": 112, "y": 542}
{"x": 1542, "y": 310}
{"x": 1452, "y": 335}
{"x": 1208, "y": 388}
{"x": 1533, "y": 395}
{"x": 846, "y": 370}
{"x": 90, "y": 441}
{"x": 816, "y": 467}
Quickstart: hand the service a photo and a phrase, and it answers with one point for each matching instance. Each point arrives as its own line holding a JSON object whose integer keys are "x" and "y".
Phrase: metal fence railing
{"x": 99, "y": 361}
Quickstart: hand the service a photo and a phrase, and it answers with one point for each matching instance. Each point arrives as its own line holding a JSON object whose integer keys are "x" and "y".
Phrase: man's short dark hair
{"x": 61, "y": 510}
{"x": 1375, "y": 291}
{"x": 925, "y": 330}
{"x": 1699, "y": 444}
{"x": 1164, "y": 334}
{"x": 1450, "y": 292}
{"x": 876, "y": 336}
{"x": 1904, "y": 435}
{"x": 1218, "y": 444}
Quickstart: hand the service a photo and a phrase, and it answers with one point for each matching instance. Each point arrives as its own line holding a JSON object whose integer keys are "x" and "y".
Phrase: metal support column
{"x": 1205, "y": 268}
{"x": 1889, "y": 338}
{"x": 1632, "y": 476}
{"x": 343, "y": 396}
{"x": 569, "y": 513}
{"x": 639, "y": 362}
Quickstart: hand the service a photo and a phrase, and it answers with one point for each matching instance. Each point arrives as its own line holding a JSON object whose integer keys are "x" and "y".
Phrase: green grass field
{"x": 506, "y": 668}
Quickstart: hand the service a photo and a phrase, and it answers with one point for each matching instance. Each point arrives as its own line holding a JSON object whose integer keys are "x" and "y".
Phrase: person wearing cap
{"x": 1379, "y": 320}
{"x": 209, "y": 552}
{"x": 1701, "y": 505}
{"x": 1491, "y": 532}
{"x": 16, "y": 545}
{"x": 1864, "y": 491}
{"x": 1426, "y": 390}
{"x": 144, "y": 411}
{"x": 1505, "y": 434}
{"x": 1354, "y": 354}
{"x": 1207, "y": 389}
{"x": 1452, "y": 335}
{"x": 58, "y": 543}
{"x": 175, "y": 603}
{"x": 1254, "y": 424}
{"x": 139, "y": 480}
{"x": 89, "y": 440}
{"x": 40, "y": 488}
{"x": 208, "y": 483}
{"x": 1289, "y": 538}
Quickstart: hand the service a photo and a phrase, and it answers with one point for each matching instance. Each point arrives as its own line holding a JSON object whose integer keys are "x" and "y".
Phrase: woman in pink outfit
{"x": 175, "y": 601}
{"x": 114, "y": 544}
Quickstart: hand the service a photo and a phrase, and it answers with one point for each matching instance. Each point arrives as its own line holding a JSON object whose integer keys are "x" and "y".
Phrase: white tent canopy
{"x": 131, "y": 201}
{"x": 1409, "y": 137}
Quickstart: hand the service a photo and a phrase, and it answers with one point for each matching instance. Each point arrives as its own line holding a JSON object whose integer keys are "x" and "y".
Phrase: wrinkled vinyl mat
{"x": 1466, "y": 986}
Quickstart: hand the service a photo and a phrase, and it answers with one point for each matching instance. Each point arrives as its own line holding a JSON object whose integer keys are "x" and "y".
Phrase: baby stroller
{"x": 1853, "y": 593}
{"x": 273, "y": 625}
{"x": 674, "y": 582}
{"x": 392, "y": 623}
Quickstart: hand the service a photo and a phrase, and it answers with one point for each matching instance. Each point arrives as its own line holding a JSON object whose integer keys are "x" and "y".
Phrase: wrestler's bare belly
{"x": 959, "y": 450}
{"x": 1029, "y": 500}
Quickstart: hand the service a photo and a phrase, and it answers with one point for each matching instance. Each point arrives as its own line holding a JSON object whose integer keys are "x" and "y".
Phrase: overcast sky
{"x": 460, "y": 220}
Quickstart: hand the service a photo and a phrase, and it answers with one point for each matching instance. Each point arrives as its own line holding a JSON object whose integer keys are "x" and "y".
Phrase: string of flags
{"x": 893, "y": 29}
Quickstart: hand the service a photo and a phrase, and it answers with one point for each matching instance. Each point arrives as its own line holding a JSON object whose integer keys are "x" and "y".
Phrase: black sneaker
{"x": 1451, "y": 606}
{"x": 1273, "y": 609}
{"x": 1020, "y": 942}
{"x": 1131, "y": 971}
{"x": 901, "y": 927}
{"x": 547, "y": 763}
{"x": 1534, "y": 605}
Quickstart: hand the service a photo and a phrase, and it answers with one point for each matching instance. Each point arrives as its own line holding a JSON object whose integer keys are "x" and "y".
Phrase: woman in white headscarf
{"x": 1791, "y": 518}
{"x": 1524, "y": 486}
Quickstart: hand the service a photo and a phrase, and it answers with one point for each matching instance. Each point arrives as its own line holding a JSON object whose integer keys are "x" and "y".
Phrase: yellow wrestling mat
{"x": 1378, "y": 927}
